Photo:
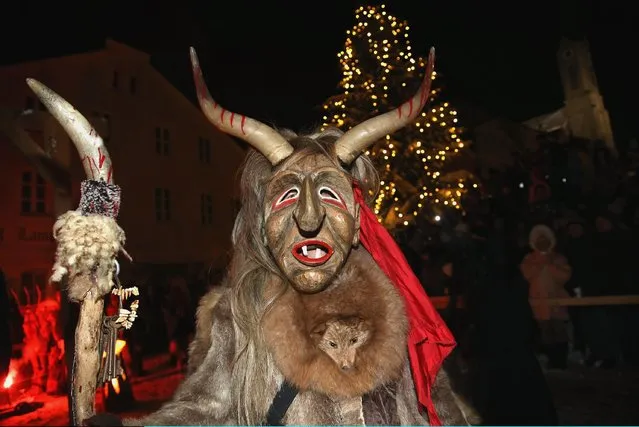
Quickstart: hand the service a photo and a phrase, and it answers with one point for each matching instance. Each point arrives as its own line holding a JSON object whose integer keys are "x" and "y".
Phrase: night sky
{"x": 276, "y": 60}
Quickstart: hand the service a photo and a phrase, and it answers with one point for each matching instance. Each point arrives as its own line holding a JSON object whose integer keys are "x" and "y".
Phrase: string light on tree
{"x": 379, "y": 73}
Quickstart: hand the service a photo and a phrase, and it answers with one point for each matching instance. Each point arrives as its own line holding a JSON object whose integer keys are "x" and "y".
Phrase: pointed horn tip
{"x": 195, "y": 62}
{"x": 431, "y": 57}
{"x": 34, "y": 84}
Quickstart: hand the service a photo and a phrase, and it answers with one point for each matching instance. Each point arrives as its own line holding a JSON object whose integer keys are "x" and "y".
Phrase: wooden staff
{"x": 88, "y": 241}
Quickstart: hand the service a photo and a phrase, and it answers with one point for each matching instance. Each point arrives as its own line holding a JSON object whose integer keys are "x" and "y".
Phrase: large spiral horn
{"x": 262, "y": 137}
{"x": 94, "y": 155}
{"x": 357, "y": 139}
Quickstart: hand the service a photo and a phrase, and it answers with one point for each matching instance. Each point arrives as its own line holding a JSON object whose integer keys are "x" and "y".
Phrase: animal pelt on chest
{"x": 361, "y": 289}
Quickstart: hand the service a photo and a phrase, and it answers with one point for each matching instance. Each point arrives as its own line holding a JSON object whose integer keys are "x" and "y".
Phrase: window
{"x": 162, "y": 139}
{"x": 33, "y": 194}
{"x": 116, "y": 78}
{"x": 205, "y": 150}
{"x": 132, "y": 85}
{"x": 29, "y": 104}
{"x": 206, "y": 209}
{"x": 162, "y": 204}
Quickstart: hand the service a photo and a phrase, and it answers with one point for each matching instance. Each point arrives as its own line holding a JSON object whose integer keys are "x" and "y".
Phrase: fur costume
{"x": 386, "y": 398}
{"x": 297, "y": 261}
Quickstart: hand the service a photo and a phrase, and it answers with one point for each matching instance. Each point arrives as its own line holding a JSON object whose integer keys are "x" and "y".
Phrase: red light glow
{"x": 8, "y": 382}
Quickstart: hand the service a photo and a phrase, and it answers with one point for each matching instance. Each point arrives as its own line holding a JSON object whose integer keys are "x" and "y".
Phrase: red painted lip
{"x": 299, "y": 255}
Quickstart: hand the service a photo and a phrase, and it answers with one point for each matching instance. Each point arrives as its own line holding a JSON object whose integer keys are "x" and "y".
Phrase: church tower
{"x": 584, "y": 110}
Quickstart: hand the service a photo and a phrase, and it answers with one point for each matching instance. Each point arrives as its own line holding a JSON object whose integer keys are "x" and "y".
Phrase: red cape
{"x": 429, "y": 340}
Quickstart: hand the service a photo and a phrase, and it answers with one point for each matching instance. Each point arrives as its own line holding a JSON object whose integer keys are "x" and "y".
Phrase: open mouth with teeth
{"x": 312, "y": 252}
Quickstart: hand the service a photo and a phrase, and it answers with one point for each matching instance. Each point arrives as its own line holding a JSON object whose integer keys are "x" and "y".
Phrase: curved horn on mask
{"x": 94, "y": 155}
{"x": 262, "y": 137}
{"x": 357, "y": 139}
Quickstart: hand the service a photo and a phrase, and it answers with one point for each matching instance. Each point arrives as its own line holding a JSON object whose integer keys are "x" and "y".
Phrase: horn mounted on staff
{"x": 88, "y": 241}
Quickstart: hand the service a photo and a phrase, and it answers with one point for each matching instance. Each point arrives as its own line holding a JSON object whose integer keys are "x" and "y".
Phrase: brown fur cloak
{"x": 383, "y": 381}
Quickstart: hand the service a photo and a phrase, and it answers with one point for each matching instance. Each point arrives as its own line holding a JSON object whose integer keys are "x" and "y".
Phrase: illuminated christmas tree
{"x": 380, "y": 72}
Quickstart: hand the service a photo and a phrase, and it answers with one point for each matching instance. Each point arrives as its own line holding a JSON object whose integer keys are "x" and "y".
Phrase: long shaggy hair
{"x": 252, "y": 266}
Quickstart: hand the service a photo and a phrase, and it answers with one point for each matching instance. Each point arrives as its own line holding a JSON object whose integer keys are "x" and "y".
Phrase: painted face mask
{"x": 310, "y": 216}
{"x": 310, "y": 220}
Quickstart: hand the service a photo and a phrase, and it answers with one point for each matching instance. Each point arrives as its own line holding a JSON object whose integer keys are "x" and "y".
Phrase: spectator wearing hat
{"x": 547, "y": 272}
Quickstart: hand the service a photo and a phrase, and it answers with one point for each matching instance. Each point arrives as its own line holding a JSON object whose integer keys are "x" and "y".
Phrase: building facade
{"x": 179, "y": 175}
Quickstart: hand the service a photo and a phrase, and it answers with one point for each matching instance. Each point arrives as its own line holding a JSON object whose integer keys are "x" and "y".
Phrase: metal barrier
{"x": 442, "y": 302}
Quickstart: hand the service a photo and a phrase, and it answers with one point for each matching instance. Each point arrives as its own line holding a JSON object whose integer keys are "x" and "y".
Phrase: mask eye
{"x": 330, "y": 196}
{"x": 288, "y": 197}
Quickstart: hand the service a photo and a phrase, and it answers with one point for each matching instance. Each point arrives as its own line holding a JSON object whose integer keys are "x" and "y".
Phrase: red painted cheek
{"x": 337, "y": 203}
{"x": 276, "y": 206}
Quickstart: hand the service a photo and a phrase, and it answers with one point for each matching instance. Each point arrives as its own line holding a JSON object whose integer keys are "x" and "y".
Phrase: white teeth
{"x": 313, "y": 251}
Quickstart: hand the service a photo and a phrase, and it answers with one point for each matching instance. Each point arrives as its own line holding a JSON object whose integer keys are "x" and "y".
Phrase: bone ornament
{"x": 127, "y": 317}
{"x": 111, "y": 366}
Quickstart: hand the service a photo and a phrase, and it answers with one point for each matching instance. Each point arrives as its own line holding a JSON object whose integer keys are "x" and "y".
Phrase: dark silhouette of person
{"x": 508, "y": 382}
{"x": 5, "y": 330}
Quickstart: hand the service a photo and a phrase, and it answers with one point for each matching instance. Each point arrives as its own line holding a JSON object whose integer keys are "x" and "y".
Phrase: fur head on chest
{"x": 341, "y": 338}
{"x": 310, "y": 336}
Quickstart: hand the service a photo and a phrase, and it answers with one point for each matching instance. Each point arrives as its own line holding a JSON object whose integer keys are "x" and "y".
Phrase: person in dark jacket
{"x": 509, "y": 385}
{"x": 579, "y": 249}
